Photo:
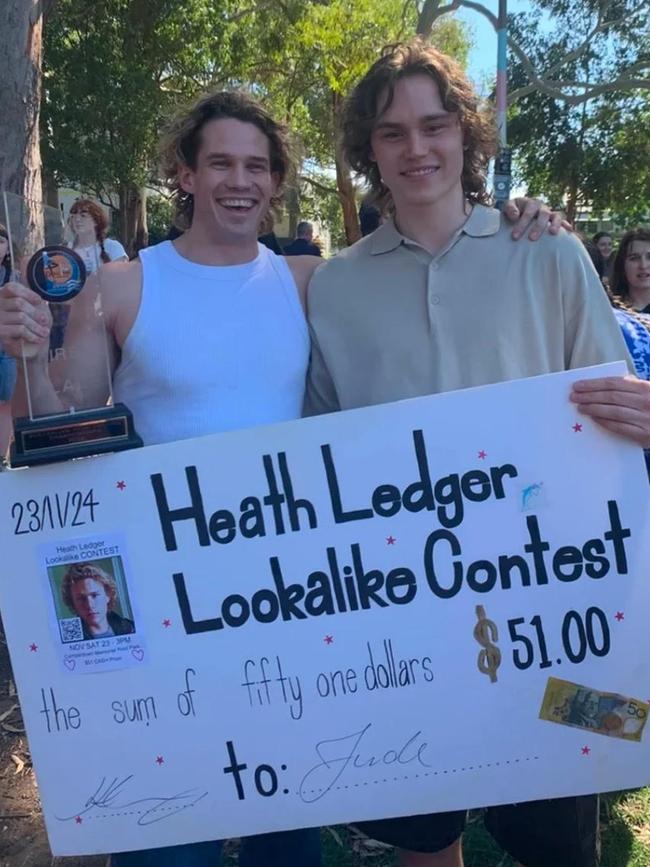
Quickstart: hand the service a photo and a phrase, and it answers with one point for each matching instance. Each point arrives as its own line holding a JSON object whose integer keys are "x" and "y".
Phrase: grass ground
{"x": 625, "y": 821}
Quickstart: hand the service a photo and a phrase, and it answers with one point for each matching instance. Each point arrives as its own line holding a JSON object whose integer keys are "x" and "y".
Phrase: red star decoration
{"x": 167, "y": 622}
{"x": 329, "y": 639}
{"x": 78, "y": 820}
{"x": 586, "y": 751}
{"x": 121, "y": 485}
{"x": 482, "y": 454}
{"x": 619, "y": 616}
{"x": 33, "y": 648}
{"x": 577, "y": 427}
{"x": 390, "y": 540}
{"x": 160, "y": 760}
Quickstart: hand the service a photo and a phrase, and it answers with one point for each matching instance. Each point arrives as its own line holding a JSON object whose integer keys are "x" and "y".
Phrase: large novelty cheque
{"x": 423, "y": 606}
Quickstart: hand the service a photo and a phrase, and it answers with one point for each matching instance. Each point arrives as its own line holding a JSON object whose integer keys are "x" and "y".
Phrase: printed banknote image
{"x": 603, "y": 713}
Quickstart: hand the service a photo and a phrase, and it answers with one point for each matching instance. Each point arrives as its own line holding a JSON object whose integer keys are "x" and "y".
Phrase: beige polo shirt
{"x": 390, "y": 321}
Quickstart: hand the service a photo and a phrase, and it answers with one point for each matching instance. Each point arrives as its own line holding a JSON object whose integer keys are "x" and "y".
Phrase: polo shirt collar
{"x": 386, "y": 238}
{"x": 482, "y": 222}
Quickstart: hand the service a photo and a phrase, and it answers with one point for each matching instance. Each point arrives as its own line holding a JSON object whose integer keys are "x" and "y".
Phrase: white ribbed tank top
{"x": 213, "y": 348}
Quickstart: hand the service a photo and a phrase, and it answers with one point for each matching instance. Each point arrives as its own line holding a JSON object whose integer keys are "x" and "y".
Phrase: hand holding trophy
{"x": 51, "y": 321}
{"x": 25, "y": 321}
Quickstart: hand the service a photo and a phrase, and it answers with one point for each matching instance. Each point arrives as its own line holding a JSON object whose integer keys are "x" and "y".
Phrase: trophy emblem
{"x": 56, "y": 273}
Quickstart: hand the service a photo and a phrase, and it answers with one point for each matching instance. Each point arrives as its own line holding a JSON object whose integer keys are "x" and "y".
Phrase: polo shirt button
{"x": 434, "y": 266}
{"x": 435, "y": 299}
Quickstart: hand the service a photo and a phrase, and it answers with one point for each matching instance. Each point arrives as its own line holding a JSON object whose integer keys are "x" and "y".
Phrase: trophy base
{"x": 48, "y": 439}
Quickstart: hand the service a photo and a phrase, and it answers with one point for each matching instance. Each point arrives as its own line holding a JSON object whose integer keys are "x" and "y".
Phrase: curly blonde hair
{"x": 84, "y": 572}
{"x": 361, "y": 111}
{"x": 182, "y": 139}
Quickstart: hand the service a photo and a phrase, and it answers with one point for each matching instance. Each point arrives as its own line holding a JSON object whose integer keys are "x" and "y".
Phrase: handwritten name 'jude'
{"x": 346, "y": 583}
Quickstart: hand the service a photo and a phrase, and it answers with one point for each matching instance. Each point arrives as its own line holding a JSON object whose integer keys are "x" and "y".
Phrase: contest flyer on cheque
{"x": 423, "y": 606}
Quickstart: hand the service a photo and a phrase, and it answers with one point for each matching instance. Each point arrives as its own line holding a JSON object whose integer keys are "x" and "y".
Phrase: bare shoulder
{"x": 302, "y": 269}
{"x": 120, "y": 284}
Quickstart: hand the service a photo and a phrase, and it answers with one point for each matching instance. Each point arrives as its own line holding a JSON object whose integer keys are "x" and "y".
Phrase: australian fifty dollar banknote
{"x": 603, "y": 713}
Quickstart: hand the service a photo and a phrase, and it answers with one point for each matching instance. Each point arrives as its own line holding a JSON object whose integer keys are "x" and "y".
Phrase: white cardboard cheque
{"x": 430, "y": 605}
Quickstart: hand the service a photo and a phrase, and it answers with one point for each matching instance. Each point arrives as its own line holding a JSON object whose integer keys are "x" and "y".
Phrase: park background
{"x": 88, "y": 84}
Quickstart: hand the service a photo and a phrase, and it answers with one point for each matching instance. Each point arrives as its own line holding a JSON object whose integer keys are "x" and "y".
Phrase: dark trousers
{"x": 284, "y": 849}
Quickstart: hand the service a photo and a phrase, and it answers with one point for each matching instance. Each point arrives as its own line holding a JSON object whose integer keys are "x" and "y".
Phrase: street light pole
{"x": 502, "y": 162}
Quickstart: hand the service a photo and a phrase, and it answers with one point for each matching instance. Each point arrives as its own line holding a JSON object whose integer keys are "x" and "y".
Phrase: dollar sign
{"x": 486, "y": 632}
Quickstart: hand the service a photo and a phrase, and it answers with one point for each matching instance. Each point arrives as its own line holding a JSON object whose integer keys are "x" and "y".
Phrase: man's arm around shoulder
{"x": 302, "y": 268}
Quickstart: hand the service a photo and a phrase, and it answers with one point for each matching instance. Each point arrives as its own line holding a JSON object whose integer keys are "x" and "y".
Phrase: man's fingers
{"x": 556, "y": 222}
{"x": 622, "y": 399}
{"x": 632, "y": 432}
{"x": 11, "y": 322}
{"x": 511, "y": 210}
{"x": 534, "y": 216}
{"x": 585, "y": 388}
{"x": 39, "y": 311}
{"x": 630, "y": 419}
{"x": 17, "y": 290}
{"x": 628, "y": 412}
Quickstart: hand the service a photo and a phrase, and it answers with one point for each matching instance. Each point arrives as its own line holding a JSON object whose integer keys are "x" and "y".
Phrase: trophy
{"x": 65, "y": 394}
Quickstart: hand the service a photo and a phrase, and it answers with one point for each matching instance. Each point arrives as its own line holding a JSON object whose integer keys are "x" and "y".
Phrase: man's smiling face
{"x": 418, "y": 145}
{"x": 232, "y": 183}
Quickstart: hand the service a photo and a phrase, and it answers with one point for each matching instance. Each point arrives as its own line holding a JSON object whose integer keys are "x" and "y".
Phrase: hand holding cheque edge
{"x": 620, "y": 404}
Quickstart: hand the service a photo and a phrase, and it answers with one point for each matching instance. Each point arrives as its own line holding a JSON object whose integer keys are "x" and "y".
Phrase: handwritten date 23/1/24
{"x": 54, "y": 511}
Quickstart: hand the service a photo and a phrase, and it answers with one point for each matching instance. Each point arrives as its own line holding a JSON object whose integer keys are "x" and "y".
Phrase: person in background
{"x": 303, "y": 245}
{"x": 631, "y": 270}
{"x": 89, "y": 226}
{"x": 369, "y": 218}
{"x": 603, "y": 242}
{"x": 634, "y": 326}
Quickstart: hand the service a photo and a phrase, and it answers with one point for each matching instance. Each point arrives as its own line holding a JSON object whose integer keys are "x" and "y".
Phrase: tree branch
{"x": 432, "y": 10}
{"x": 319, "y": 186}
{"x": 621, "y": 83}
{"x": 544, "y": 83}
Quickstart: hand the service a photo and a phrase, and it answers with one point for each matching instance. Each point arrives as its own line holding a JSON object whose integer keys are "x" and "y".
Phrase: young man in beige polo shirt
{"x": 440, "y": 298}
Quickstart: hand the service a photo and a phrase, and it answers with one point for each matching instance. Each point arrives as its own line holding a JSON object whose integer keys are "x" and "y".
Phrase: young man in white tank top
{"x": 226, "y": 160}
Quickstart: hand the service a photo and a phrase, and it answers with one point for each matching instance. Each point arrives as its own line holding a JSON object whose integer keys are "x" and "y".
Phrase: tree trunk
{"x": 572, "y": 201}
{"x": 132, "y": 218}
{"x": 21, "y": 51}
{"x": 50, "y": 190}
{"x": 427, "y": 16}
{"x": 141, "y": 228}
{"x": 292, "y": 204}
{"x": 344, "y": 184}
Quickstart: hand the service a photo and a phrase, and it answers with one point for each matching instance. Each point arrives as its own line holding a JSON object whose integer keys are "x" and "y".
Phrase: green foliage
{"x": 112, "y": 72}
{"x": 317, "y": 203}
{"x": 303, "y": 58}
{"x": 115, "y": 69}
{"x": 592, "y": 154}
{"x": 159, "y": 218}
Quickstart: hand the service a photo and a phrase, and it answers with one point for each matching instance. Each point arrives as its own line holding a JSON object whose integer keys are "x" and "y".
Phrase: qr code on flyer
{"x": 71, "y": 629}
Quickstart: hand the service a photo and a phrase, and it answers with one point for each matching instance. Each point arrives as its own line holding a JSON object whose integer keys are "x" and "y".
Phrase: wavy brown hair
{"x": 182, "y": 139}
{"x": 619, "y": 284}
{"x": 84, "y": 572}
{"x": 361, "y": 111}
{"x": 98, "y": 218}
